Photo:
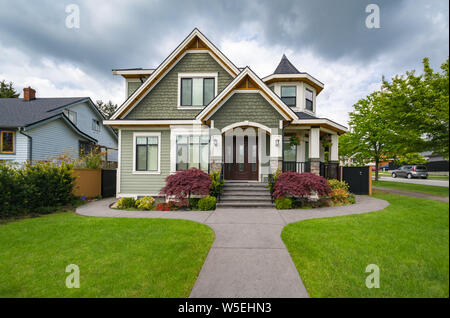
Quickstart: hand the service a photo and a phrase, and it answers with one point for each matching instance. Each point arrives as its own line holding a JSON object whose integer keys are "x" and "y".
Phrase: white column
{"x": 314, "y": 143}
{"x": 334, "y": 156}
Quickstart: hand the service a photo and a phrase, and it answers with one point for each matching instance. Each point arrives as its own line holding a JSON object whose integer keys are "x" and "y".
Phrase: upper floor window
{"x": 197, "y": 90}
{"x": 309, "y": 104}
{"x": 289, "y": 95}
{"x": 95, "y": 125}
{"x": 7, "y": 142}
{"x": 72, "y": 116}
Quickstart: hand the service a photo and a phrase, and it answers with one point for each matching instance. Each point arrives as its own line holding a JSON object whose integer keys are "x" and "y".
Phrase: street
{"x": 440, "y": 183}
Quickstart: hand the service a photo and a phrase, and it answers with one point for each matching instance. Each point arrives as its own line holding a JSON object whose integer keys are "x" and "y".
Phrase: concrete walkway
{"x": 248, "y": 257}
{"x": 412, "y": 194}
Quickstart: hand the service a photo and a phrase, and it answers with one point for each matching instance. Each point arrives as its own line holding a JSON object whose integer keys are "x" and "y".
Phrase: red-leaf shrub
{"x": 169, "y": 206}
{"x": 293, "y": 184}
{"x": 183, "y": 184}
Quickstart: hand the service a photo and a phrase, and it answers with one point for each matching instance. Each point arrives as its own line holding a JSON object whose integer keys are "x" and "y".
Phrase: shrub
{"x": 207, "y": 203}
{"x": 272, "y": 180}
{"x": 339, "y": 193}
{"x": 126, "y": 203}
{"x": 283, "y": 203}
{"x": 293, "y": 184}
{"x": 183, "y": 184}
{"x": 37, "y": 188}
{"x": 169, "y": 206}
{"x": 336, "y": 184}
{"x": 193, "y": 202}
{"x": 216, "y": 187}
{"x": 146, "y": 203}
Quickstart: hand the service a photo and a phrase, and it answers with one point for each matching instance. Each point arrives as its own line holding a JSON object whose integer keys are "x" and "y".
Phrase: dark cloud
{"x": 117, "y": 34}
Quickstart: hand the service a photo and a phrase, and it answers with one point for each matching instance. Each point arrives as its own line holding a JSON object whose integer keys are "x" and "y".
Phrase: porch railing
{"x": 186, "y": 166}
{"x": 296, "y": 166}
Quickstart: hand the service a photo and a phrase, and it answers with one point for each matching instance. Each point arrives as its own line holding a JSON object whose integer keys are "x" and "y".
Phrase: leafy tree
{"x": 7, "y": 90}
{"x": 371, "y": 136}
{"x": 107, "y": 109}
{"x": 419, "y": 107}
{"x": 411, "y": 158}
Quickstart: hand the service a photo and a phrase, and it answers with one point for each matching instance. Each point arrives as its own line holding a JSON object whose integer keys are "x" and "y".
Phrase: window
{"x": 309, "y": 100}
{"x": 290, "y": 151}
{"x": 289, "y": 95}
{"x": 192, "y": 151}
{"x": 72, "y": 116}
{"x": 95, "y": 125}
{"x": 147, "y": 152}
{"x": 85, "y": 147}
{"x": 7, "y": 142}
{"x": 197, "y": 91}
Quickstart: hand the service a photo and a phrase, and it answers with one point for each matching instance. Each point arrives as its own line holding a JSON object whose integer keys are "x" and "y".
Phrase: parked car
{"x": 411, "y": 171}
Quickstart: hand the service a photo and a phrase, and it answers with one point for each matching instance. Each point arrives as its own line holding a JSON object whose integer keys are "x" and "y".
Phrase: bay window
{"x": 192, "y": 152}
{"x": 289, "y": 95}
{"x": 309, "y": 100}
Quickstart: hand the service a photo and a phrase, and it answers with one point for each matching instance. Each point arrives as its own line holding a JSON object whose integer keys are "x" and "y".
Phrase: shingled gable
{"x": 194, "y": 41}
{"x": 247, "y": 80}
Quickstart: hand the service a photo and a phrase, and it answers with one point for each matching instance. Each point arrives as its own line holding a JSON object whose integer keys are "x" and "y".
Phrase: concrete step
{"x": 245, "y": 189}
{"x": 245, "y": 185}
{"x": 240, "y": 205}
{"x": 242, "y": 198}
{"x": 246, "y": 193}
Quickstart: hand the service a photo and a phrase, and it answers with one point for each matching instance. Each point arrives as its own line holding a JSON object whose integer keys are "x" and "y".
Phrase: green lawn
{"x": 117, "y": 257}
{"x": 434, "y": 190}
{"x": 409, "y": 241}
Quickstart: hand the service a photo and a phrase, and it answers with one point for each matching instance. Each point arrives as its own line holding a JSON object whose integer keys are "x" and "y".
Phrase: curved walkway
{"x": 248, "y": 257}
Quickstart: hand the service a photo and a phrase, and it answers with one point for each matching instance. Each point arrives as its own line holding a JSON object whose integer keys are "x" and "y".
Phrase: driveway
{"x": 248, "y": 257}
{"x": 439, "y": 183}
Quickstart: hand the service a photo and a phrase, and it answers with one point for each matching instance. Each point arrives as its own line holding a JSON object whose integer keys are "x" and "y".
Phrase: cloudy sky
{"x": 328, "y": 39}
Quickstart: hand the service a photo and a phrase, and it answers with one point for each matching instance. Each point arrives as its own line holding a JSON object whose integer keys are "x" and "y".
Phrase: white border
{"x": 119, "y": 155}
{"x": 146, "y": 134}
{"x": 195, "y": 75}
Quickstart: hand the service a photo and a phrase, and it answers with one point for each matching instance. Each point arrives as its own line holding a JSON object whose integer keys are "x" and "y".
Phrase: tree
{"x": 420, "y": 104}
{"x": 107, "y": 109}
{"x": 7, "y": 90}
{"x": 370, "y": 136}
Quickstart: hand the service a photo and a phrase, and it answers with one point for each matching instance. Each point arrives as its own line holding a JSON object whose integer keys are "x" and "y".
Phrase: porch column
{"x": 314, "y": 149}
{"x": 275, "y": 152}
{"x": 215, "y": 147}
{"x": 334, "y": 156}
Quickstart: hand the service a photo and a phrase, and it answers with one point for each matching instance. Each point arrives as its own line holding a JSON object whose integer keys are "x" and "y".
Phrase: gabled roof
{"x": 15, "y": 112}
{"x": 194, "y": 41}
{"x": 247, "y": 80}
{"x": 285, "y": 67}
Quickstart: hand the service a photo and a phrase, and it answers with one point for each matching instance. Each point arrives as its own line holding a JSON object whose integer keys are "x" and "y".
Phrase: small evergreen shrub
{"x": 126, "y": 203}
{"x": 193, "y": 202}
{"x": 207, "y": 203}
{"x": 283, "y": 203}
{"x": 146, "y": 203}
{"x": 216, "y": 187}
{"x": 339, "y": 194}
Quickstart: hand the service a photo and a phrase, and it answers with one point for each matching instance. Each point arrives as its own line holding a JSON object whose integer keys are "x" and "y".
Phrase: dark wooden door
{"x": 357, "y": 179}
{"x": 245, "y": 161}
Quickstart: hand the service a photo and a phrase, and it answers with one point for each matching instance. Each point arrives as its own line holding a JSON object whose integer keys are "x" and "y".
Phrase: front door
{"x": 244, "y": 160}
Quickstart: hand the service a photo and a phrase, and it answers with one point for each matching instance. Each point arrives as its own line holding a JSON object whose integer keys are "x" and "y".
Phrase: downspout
{"x": 282, "y": 145}
{"x": 30, "y": 150}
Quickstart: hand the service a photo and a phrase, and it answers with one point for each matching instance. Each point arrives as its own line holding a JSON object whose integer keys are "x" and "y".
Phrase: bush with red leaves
{"x": 299, "y": 185}
{"x": 183, "y": 184}
{"x": 169, "y": 206}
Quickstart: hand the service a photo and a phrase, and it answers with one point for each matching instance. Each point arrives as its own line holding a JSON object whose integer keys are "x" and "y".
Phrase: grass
{"x": 430, "y": 176}
{"x": 434, "y": 190}
{"x": 409, "y": 241}
{"x": 117, "y": 257}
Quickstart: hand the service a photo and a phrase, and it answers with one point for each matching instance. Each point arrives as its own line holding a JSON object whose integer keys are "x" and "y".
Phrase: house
{"x": 197, "y": 109}
{"x": 35, "y": 129}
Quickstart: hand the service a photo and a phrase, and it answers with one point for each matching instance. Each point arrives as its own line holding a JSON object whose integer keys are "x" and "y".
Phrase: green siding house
{"x": 197, "y": 109}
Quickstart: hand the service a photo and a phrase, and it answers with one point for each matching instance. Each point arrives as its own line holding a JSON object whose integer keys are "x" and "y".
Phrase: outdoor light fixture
{"x": 277, "y": 142}
{"x": 215, "y": 142}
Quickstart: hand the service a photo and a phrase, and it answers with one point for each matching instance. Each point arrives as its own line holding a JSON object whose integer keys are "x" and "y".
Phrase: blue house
{"x": 34, "y": 129}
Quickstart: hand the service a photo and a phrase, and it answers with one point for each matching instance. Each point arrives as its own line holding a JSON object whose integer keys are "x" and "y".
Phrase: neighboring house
{"x": 34, "y": 129}
{"x": 197, "y": 109}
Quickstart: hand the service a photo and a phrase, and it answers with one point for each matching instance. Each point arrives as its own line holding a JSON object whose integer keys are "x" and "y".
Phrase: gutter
{"x": 30, "y": 152}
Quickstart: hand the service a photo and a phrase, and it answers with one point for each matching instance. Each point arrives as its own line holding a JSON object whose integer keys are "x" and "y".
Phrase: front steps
{"x": 245, "y": 194}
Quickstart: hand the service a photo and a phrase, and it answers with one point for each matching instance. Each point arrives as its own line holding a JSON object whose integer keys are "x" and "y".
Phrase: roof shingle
{"x": 286, "y": 67}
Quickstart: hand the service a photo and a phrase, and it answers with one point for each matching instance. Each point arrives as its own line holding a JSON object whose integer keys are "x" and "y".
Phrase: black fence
{"x": 109, "y": 178}
{"x": 357, "y": 179}
{"x": 296, "y": 166}
{"x": 330, "y": 170}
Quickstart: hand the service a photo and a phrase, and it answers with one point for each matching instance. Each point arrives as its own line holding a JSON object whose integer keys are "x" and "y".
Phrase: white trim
{"x": 246, "y": 123}
{"x": 133, "y": 72}
{"x": 146, "y": 134}
{"x": 294, "y": 76}
{"x": 215, "y": 75}
{"x": 136, "y": 195}
{"x": 122, "y": 122}
{"x": 163, "y": 65}
{"x": 249, "y": 72}
{"x": 119, "y": 154}
{"x": 315, "y": 121}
